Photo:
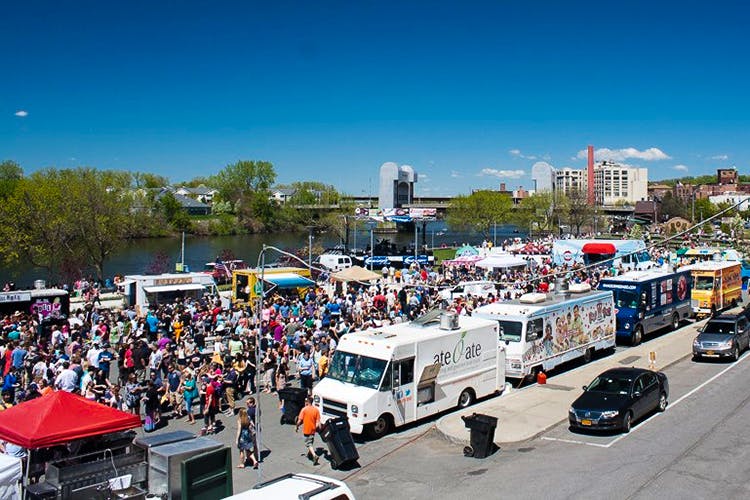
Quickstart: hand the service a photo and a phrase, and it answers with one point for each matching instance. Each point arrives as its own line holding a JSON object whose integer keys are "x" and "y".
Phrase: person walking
{"x": 246, "y": 439}
{"x": 309, "y": 419}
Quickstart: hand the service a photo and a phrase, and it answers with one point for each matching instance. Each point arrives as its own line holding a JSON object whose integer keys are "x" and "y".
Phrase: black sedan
{"x": 618, "y": 397}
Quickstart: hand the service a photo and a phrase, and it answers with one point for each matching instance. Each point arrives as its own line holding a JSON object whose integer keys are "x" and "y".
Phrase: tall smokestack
{"x": 590, "y": 177}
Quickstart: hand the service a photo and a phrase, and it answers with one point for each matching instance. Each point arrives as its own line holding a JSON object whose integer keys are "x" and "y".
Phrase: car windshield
{"x": 510, "y": 330}
{"x": 356, "y": 369}
{"x": 704, "y": 283}
{"x": 624, "y": 298}
{"x": 610, "y": 384}
{"x": 719, "y": 327}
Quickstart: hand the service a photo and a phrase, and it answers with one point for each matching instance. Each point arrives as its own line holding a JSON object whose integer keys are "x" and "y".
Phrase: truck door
{"x": 404, "y": 390}
{"x": 718, "y": 293}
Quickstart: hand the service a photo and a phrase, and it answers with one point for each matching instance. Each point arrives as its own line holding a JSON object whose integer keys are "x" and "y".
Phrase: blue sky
{"x": 330, "y": 90}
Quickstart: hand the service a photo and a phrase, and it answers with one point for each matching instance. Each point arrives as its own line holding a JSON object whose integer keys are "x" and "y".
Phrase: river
{"x": 135, "y": 257}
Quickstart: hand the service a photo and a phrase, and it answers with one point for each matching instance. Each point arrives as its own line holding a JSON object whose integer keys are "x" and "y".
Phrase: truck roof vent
{"x": 579, "y": 288}
{"x": 532, "y": 298}
{"x": 449, "y": 321}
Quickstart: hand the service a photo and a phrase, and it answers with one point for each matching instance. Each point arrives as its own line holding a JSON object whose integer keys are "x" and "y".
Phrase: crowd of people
{"x": 193, "y": 358}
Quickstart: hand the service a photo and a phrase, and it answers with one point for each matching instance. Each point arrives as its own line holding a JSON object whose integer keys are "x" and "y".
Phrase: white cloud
{"x": 510, "y": 174}
{"x": 456, "y": 174}
{"x": 681, "y": 168}
{"x": 21, "y": 113}
{"x": 517, "y": 153}
{"x": 650, "y": 154}
{"x": 720, "y": 157}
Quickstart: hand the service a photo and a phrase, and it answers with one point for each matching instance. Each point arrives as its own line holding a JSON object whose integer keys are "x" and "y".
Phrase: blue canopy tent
{"x": 288, "y": 280}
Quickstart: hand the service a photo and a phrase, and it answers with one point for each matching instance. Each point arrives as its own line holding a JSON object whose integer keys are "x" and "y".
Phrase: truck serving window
{"x": 510, "y": 330}
{"x": 356, "y": 369}
{"x": 704, "y": 283}
{"x": 623, "y": 298}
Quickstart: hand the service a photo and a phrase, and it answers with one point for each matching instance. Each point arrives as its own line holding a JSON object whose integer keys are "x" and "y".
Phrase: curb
{"x": 461, "y": 441}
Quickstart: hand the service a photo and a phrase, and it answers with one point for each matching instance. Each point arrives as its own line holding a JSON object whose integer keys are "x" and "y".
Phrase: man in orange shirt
{"x": 309, "y": 419}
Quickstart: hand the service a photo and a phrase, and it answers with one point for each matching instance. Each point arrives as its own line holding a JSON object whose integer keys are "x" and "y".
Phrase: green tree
{"x": 673, "y": 207}
{"x": 63, "y": 219}
{"x": 237, "y": 181}
{"x": 144, "y": 180}
{"x": 10, "y": 175}
{"x": 578, "y": 212}
{"x": 704, "y": 209}
{"x": 479, "y": 211}
{"x": 541, "y": 210}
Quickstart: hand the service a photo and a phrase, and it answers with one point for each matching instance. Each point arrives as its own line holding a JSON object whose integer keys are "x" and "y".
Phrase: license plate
{"x": 585, "y": 422}
{"x": 709, "y": 353}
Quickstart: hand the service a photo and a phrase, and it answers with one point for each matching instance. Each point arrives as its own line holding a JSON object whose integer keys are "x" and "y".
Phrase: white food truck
{"x": 146, "y": 290}
{"x": 387, "y": 377}
{"x": 542, "y": 331}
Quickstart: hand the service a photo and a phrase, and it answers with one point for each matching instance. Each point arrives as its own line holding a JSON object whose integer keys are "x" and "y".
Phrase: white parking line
{"x": 655, "y": 415}
{"x": 573, "y": 441}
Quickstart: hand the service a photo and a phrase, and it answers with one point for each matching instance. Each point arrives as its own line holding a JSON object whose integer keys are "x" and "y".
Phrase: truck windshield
{"x": 623, "y": 298}
{"x": 510, "y": 330}
{"x": 356, "y": 369}
{"x": 704, "y": 282}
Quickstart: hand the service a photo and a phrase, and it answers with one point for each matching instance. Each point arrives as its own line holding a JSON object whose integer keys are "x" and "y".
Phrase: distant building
{"x": 396, "y": 185}
{"x": 543, "y": 175}
{"x": 569, "y": 180}
{"x": 201, "y": 193}
{"x": 726, "y": 176}
{"x": 282, "y": 195}
{"x": 617, "y": 183}
{"x": 732, "y": 199}
{"x": 189, "y": 205}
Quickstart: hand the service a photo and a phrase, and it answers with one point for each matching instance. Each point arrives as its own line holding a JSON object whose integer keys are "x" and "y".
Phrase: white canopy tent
{"x": 10, "y": 476}
{"x": 502, "y": 261}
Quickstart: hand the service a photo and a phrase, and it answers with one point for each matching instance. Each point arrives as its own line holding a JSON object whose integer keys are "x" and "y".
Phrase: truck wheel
{"x": 637, "y": 335}
{"x": 675, "y": 321}
{"x": 380, "y": 427}
{"x": 466, "y": 398}
{"x": 588, "y": 354}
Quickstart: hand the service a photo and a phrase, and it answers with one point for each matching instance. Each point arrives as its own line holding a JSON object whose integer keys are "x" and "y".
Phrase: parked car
{"x": 618, "y": 397}
{"x": 724, "y": 336}
{"x": 294, "y": 486}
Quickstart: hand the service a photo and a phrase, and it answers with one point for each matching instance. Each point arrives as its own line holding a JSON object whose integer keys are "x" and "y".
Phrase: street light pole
{"x": 309, "y": 247}
{"x": 372, "y": 243}
{"x": 258, "y": 357}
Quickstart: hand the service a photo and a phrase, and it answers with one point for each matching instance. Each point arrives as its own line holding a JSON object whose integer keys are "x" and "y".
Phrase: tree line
{"x": 68, "y": 222}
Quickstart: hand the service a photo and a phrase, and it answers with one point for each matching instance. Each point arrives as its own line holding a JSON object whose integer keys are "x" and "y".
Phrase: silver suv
{"x": 726, "y": 335}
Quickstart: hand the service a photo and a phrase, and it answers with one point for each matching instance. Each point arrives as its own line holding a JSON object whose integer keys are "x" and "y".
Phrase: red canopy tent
{"x": 59, "y": 418}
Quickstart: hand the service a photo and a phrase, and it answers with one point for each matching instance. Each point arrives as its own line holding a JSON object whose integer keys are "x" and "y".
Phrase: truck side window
{"x": 387, "y": 378}
{"x": 534, "y": 329}
{"x": 407, "y": 371}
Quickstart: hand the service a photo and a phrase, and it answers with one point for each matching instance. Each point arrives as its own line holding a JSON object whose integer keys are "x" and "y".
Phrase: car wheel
{"x": 380, "y": 427}
{"x": 736, "y": 353}
{"x": 637, "y": 335}
{"x": 588, "y": 355}
{"x": 696, "y": 357}
{"x": 466, "y": 398}
{"x": 627, "y": 422}
{"x": 675, "y": 321}
{"x": 662, "y": 402}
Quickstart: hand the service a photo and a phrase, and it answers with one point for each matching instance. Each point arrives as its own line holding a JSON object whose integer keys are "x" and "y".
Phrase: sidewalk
{"x": 525, "y": 413}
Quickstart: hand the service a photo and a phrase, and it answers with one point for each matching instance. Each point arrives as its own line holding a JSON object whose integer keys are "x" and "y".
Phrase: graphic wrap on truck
{"x": 569, "y": 327}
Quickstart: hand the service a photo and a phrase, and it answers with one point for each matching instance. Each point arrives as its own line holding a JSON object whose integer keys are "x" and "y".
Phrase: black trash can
{"x": 336, "y": 434}
{"x": 294, "y": 401}
{"x": 482, "y": 435}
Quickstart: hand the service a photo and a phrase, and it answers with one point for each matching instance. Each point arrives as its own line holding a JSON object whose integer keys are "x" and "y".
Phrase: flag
{"x": 221, "y": 268}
